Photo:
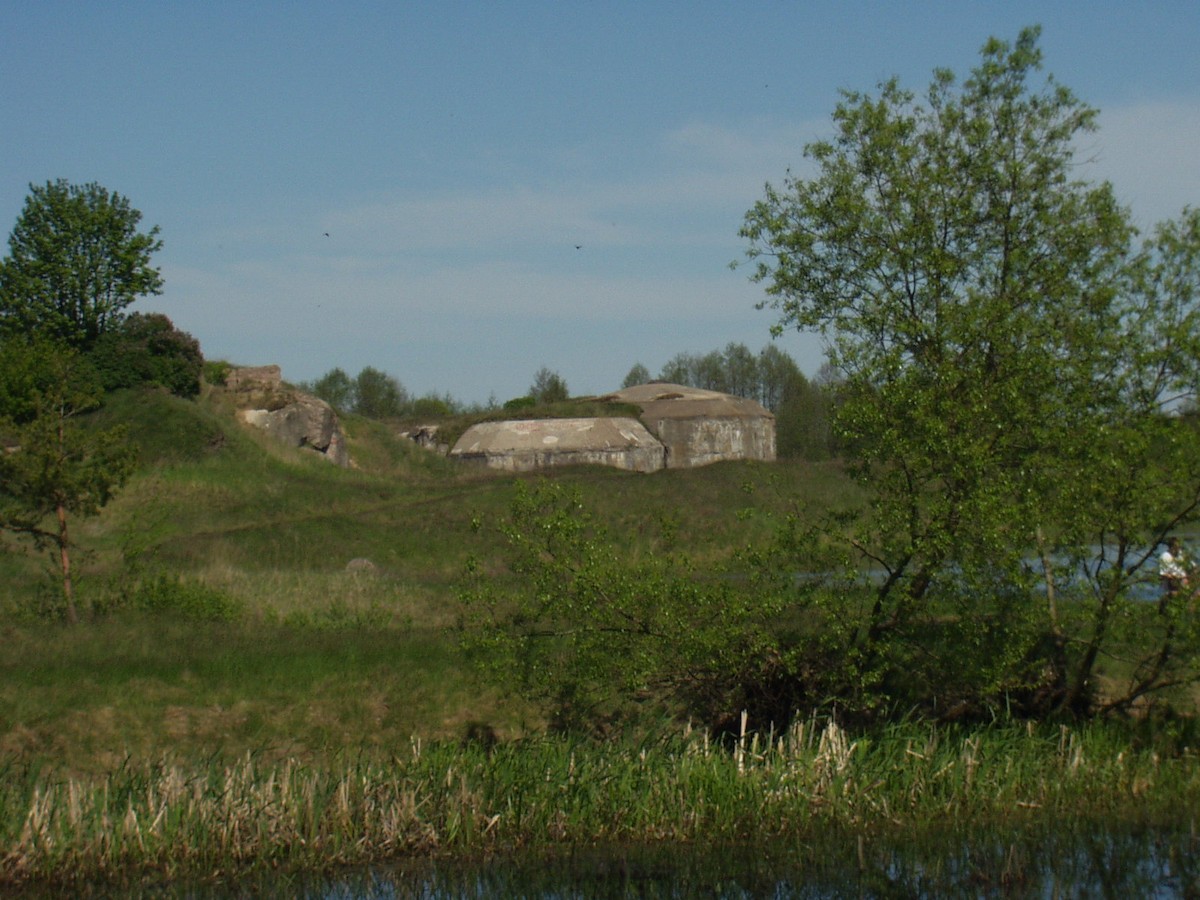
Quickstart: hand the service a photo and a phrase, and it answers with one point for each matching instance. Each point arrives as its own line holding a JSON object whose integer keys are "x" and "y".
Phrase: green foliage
{"x": 431, "y": 406}
{"x": 378, "y": 395}
{"x": 768, "y": 377}
{"x": 145, "y": 348}
{"x": 519, "y": 403}
{"x": 187, "y": 598}
{"x": 548, "y": 387}
{"x": 334, "y": 387}
{"x": 1007, "y": 363}
{"x": 638, "y": 374}
{"x": 216, "y": 371}
{"x": 55, "y": 467}
{"x": 28, "y": 374}
{"x": 76, "y": 260}
{"x": 592, "y": 632}
{"x": 372, "y": 393}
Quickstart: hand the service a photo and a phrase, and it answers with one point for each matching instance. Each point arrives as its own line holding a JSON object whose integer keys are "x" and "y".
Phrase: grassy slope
{"x": 320, "y": 658}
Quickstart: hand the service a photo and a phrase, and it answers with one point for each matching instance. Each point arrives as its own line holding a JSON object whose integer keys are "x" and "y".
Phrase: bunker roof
{"x": 661, "y": 400}
{"x": 562, "y": 435}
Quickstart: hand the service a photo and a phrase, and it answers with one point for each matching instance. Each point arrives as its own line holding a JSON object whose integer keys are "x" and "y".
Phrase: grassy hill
{"x": 221, "y": 615}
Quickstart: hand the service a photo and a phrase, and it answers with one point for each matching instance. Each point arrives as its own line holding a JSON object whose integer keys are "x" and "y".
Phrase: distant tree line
{"x": 375, "y": 394}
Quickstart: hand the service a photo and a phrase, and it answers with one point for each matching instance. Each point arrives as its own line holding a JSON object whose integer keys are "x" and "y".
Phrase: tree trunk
{"x": 65, "y": 560}
{"x": 1048, "y": 575}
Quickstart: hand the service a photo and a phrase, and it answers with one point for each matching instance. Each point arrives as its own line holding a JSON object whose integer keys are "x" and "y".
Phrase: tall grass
{"x": 174, "y": 819}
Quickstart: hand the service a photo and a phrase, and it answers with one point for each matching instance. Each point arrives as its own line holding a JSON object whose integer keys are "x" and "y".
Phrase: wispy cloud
{"x": 697, "y": 182}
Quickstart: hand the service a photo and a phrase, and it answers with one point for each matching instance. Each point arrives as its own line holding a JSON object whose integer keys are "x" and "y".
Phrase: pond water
{"x": 1127, "y": 863}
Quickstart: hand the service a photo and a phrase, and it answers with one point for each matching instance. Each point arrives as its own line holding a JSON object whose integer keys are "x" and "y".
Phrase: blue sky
{"x": 507, "y": 186}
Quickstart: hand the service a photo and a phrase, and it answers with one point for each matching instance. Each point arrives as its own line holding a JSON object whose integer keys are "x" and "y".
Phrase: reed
{"x": 173, "y": 819}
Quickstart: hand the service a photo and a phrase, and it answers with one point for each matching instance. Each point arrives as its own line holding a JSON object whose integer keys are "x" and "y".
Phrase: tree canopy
{"x": 548, "y": 387}
{"x": 76, "y": 261}
{"x": 1008, "y": 358}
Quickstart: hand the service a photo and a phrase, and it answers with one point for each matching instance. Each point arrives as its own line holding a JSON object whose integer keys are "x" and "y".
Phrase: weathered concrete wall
{"x": 681, "y": 427}
{"x": 701, "y": 441}
{"x": 522, "y": 446}
{"x": 251, "y": 378}
{"x": 700, "y": 427}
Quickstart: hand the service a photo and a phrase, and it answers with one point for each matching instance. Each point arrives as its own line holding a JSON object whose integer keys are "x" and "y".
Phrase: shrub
{"x": 216, "y": 372}
{"x": 185, "y": 597}
{"x": 148, "y": 349}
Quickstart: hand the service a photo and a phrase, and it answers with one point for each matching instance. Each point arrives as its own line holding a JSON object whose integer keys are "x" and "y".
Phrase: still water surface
{"x": 1128, "y": 863}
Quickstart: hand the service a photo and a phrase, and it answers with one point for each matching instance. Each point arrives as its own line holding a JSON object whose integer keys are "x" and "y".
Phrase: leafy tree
{"x": 335, "y": 388}
{"x": 55, "y": 467}
{"x": 735, "y": 370}
{"x": 516, "y": 404}
{"x": 777, "y": 378}
{"x": 741, "y": 374}
{"x": 638, "y": 374}
{"x": 146, "y": 348}
{"x": 76, "y": 261}
{"x": 704, "y": 371}
{"x": 432, "y": 406}
{"x": 25, "y": 376}
{"x": 378, "y": 395}
{"x": 548, "y": 387}
{"x": 1005, "y": 357}
{"x": 678, "y": 370}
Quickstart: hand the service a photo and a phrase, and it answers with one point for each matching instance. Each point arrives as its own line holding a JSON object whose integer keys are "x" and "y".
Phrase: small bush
{"x": 338, "y": 616}
{"x": 216, "y": 372}
{"x": 185, "y": 597}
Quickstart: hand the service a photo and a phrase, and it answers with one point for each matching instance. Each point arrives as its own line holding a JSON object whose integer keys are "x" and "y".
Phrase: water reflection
{"x": 1142, "y": 863}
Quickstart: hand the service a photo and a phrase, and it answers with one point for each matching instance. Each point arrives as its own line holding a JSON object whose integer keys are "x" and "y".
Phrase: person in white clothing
{"x": 1173, "y": 570}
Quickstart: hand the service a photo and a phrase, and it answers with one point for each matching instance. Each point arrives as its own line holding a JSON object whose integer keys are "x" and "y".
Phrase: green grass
{"x": 140, "y": 687}
{"x": 177, "y": 818}
{"x": 236, "y": 697}
{"x": 228, "y": 520}
{"x": 213, "y": 496}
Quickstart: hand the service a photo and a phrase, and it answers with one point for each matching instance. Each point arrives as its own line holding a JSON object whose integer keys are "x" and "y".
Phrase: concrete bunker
{"x": 697, "y": 427}
{"x": 680, "y": 427}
